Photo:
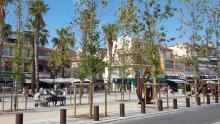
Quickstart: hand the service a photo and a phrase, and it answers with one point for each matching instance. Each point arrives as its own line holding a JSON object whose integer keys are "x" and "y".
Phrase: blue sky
{"x": 61, "y": 13}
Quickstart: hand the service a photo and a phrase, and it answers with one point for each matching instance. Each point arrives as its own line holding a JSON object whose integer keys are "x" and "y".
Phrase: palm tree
{"x": 29, "y": 37}
{"x": 37, "y": 8}
{"x": 3, "y": 25}
{"x": 110, "y": 35}
{"x": 63, "y": 43}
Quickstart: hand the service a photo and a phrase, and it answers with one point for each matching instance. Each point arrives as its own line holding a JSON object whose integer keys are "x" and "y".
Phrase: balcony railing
{"x": 42, "y": 57}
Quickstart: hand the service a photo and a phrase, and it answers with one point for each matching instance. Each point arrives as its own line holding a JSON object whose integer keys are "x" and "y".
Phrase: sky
{"x": 61, "y": 13}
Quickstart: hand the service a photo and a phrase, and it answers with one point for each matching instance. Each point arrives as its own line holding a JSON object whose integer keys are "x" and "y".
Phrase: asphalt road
{"x": 207, "y": 115}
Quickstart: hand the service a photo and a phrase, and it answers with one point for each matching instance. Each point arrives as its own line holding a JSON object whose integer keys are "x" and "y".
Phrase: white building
{"x": 124, "y": 53}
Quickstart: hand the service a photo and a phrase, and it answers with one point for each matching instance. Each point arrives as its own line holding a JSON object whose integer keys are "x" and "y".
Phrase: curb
{"x": 156, "y": 114}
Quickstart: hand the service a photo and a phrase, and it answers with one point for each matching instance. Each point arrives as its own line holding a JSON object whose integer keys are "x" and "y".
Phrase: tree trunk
{"x": 90, "y": 97}
{"x": 1, "y": 51}
{"x": 109, "y": 68}
{"x": 15, "y": 95}
{"x": 36, "y": 43}
{"x": 80, "y": 91}
{"x": 33, "y": 67}
{"x": 1, "y": 47}
{"x": 62, "y": 72}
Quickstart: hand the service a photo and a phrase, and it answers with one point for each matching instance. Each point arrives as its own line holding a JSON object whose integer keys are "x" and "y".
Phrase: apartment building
{"x": 127, "y": 53}
{"x": 173, "y": 59}
{"x": 172, "y": 64}
{"x": 75, "y": 61}
{"x": 7, "y": 61}
{"x": 206, "y": 54}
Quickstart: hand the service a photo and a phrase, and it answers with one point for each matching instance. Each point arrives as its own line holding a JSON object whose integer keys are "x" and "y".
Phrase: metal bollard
{"x": 174, "y": 103}
{"x": 19, "y": 118}
{"x": 122, "y": 110}
{"x": 198, "y": 100}
{"x": 160, "y": 105}
{"x": 143, "y": 107}
{"x": 187, "y": 102}
{"x": 216, "y": 98}
{"x": 208, "y": 99}
{"x": 62, "y": 116}
{"x": 96, "y": 113}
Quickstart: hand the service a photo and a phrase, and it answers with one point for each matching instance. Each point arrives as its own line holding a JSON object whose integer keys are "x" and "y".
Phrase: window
{"x": 168, "y": 64}
{"x": 11, "y": 40}
{"x": 179, "y": 65}
{"x": 26, "y": 52}
{"x": 168, "y": 54}
{"x": 40, "y": 68}
{"x": 42, "y": 53}
{"x": 6, "y": 51}
{"x": 8, "y": 66}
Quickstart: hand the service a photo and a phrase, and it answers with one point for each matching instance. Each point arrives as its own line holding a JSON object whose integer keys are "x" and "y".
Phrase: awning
{"x": 126, "y": 80}
{"x": 159, "y": 79}
{"x": 203, "y": 59}
{"x": 212, "y": 80}
{"x": 62, "y": 80}
{"x": 178, "y": 81}
{"x": 214, "y": 59}
{"x": 133, "y": 80}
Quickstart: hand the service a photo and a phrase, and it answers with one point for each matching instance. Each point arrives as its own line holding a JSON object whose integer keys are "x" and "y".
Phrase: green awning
{"x": 8, "y": 75}
{"x": 126, "y": 80}
{"x": 159, "y": 80}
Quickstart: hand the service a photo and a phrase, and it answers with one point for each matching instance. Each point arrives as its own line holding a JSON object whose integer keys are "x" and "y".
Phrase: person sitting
{"x": 37, "y": 99}
{"x": 45, "y": 92}
{"x": 52, "y": 92}
{"x": 41, "y": 90}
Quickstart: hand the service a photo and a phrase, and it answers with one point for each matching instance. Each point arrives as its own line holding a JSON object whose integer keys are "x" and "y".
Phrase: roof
{"x": 178, "y": 81}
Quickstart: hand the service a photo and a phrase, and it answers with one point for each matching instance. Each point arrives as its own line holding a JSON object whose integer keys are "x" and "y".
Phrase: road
{"x": 207, "y": 115}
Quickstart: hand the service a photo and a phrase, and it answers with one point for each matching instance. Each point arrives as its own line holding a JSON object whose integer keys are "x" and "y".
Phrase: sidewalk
{"x": 132, "y": 110}
{"x": 114, "y": 115}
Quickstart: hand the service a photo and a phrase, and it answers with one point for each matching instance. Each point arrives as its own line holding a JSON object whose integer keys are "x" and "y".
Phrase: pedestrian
{"x": 23, "y": 91}
{"x": 63, "y": 96}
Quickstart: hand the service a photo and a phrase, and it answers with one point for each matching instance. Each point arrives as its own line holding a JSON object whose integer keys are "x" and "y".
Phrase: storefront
{"x": 6, "y": 79}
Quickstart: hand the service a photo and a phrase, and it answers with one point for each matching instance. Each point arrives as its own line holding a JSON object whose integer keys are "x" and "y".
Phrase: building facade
{"x": 206, "y": 54}
{"x": 8, "y": 53}
{"x": 126, "y": 58}
{"x": 173, "y": 59}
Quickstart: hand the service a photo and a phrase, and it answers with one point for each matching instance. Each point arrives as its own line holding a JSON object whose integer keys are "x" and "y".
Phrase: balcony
{"x": 129, "y": 63}
{"x": 42, "y": 57}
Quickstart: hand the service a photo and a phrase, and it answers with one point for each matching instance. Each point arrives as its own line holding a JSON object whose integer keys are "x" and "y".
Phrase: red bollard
{"x": 19, "y": 119}
{"x": 160, "y": 105}
{"x": 187, "y": 102}
{"x": 216, "y": 98}
{"x": 198, "y": 101}
{"x": 208, "y": 99}
{"x": 122, "y": 110}
{"x": 143, "y": 107}
{"x": 62, "y": 116}
{"x": 96, "y": 113}
{"x": 174, "y": 103}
